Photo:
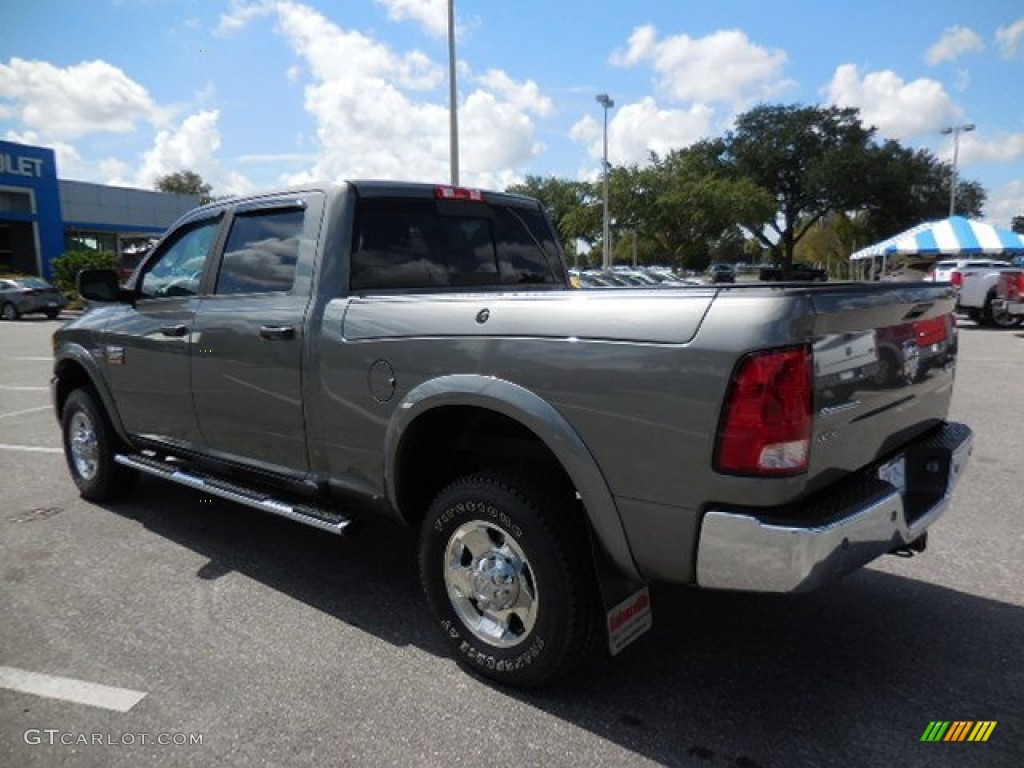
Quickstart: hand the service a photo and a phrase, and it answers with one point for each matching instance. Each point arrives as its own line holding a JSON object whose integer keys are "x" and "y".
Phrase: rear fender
{"x": 542, "y": 420}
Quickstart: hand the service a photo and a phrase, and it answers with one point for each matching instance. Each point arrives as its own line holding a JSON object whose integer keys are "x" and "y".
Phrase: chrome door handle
{"x": 277, "y": 332}
{"x": 174, "y": 330}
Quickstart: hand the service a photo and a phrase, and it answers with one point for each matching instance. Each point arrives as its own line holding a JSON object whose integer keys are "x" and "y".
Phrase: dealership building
{"x": 43, "y": 217}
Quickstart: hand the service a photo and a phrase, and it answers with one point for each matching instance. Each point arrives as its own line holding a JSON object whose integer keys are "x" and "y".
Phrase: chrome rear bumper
{"x": 738, "y": 550}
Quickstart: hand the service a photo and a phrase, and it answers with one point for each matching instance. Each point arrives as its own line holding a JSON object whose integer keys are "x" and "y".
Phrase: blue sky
{"x": 257, "y": 93}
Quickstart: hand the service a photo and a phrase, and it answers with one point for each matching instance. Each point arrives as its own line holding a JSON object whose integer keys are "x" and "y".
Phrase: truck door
{"x": 147, "y": 346}
{"x": 247, "y": 351}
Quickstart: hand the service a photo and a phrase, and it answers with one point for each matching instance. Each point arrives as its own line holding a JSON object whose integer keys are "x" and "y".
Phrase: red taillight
{"x": 459, "y": 193}
{"x": 956, "y": 277}
{"x": 1014, "y": 283}
{"x": 766, "y": 425}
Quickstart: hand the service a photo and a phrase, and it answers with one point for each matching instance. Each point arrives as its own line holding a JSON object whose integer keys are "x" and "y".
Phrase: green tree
{"x": 574, "y": 208}
{"x": 184, "y": 183}
{"x": 685, "y": 207}
{"x": 908, "y": 187}
{"x": 812, "y": 160}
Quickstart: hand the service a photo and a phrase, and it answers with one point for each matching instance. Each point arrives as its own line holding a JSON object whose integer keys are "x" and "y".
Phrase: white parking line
{"x": 30, "y": 448}
{"x": 27, "y": 410}
{"x": 69, "y": 689}
{"x": 33, "y": 359}
{"x": 23, "y": 389}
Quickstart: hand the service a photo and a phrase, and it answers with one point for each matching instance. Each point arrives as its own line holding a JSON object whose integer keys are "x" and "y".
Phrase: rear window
{"x": 421, "y": 244}
{"x": 33, "y": 282}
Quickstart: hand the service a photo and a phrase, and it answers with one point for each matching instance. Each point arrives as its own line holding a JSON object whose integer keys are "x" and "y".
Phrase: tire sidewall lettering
{"x": 481, "y": 510}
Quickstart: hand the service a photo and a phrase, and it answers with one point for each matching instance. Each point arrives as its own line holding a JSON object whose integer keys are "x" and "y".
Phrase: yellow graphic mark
{"x": 982, "y": 730}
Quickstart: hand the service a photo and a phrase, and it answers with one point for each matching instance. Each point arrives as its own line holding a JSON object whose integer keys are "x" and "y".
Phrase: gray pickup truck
{"x": 337, "y": 351}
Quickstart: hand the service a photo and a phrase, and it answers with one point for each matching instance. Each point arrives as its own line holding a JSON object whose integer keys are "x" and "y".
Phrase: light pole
{"x": 606, "y": 253}
{"x": 956, "y": 130}
{"x": 453, "y": 112}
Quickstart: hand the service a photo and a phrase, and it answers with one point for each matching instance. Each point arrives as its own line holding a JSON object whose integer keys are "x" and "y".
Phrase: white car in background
{"x": 941, "y": 271}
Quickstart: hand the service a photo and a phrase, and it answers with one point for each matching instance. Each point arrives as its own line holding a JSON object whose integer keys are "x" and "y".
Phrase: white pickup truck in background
{"x": 976, "y": 293}
{"x": 1010, "y": 292}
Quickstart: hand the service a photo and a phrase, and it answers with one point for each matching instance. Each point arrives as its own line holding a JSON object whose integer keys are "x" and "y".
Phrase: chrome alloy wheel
{"x": 490, "y": 584}
{"x": 83, "y": 445}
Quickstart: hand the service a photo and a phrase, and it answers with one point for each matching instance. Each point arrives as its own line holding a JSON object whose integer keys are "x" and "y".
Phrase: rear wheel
{"x": 506, "y": 571}
{"x": 53, "y": 314}
{"x": 993, "y": 315}
{"x": 9, "y": 312}
{"x": 90, "y": 445}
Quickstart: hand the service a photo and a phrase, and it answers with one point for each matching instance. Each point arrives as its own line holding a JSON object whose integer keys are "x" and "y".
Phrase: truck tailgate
{"x": 884, "y": 358}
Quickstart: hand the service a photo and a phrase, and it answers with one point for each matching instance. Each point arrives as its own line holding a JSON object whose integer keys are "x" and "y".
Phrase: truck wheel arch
{"x": 462, "y": 407}
{"x": 76, "y": 369}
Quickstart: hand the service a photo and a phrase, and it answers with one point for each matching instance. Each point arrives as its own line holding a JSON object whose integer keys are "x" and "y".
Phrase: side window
{"x": 408, "y": 244}
{"x": 261, "y": 252}
{"x": 179, "y": 264}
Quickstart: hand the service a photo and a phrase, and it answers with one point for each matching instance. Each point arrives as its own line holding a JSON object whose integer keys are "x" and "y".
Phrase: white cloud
{"x": 723, "y": 67}
{"x": 192, "y": 145}
{"x": 240, "y": 13}
{"x": 381, "y": 113}
{"x": 900, "y": 110}
{"x": 1006, "y": 148}
{"x": 1009, "y": 38}
{"x": 638, "y": 129}
{"x": 69, "y": 102}
{"x": 432, "y": 15}
{"x": 1005, "y": 203}
{"x": 955, "y": 42}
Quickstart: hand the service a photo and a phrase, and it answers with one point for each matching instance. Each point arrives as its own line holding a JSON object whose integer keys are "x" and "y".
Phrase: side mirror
{"x": 98, "y": 285}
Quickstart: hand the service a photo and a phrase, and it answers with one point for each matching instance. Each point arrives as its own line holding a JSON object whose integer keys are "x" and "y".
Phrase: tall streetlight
{"x": 453, "y": 111}
{"x": 606, "y": 253}
{"x": 956, "y": 130}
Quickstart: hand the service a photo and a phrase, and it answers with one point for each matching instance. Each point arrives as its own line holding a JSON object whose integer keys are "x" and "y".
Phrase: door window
{"x": 261, "y": 252}
{"x": 179, "y": 266}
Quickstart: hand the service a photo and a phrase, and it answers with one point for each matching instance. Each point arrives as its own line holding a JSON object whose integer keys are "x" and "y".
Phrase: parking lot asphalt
{"x": 278, "y": 645}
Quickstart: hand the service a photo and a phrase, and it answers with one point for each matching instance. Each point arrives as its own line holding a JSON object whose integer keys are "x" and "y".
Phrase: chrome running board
{"x": 318, "y": 517}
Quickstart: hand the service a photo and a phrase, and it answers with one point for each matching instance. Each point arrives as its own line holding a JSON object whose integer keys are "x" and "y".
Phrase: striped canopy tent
{"x": 955, "y": 236}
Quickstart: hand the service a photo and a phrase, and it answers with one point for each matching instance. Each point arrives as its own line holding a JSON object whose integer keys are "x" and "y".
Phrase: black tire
{"x": 507, "y": 540}
{"x": 53, "y": 314}
{"x": 996, "y": 318}
{"x": 9, "y": 312}
{"x": 90, "y": 445}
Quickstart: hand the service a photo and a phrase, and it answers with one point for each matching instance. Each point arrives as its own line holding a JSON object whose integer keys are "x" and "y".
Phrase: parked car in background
{"x": 942, "y": 271}
{"x": 722, "y": 273}
{"x": 976, "y": 293}
{"x": 29, "y": 295}
{"x": 798, "y": 273}
{"x": 1010, "y": 292}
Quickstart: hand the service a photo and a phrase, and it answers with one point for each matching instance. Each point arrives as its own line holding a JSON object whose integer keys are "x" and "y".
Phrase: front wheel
{"x": 90, "y": 445}
{"x": 506, "y": 571}
{"x": 9, "y": 312}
